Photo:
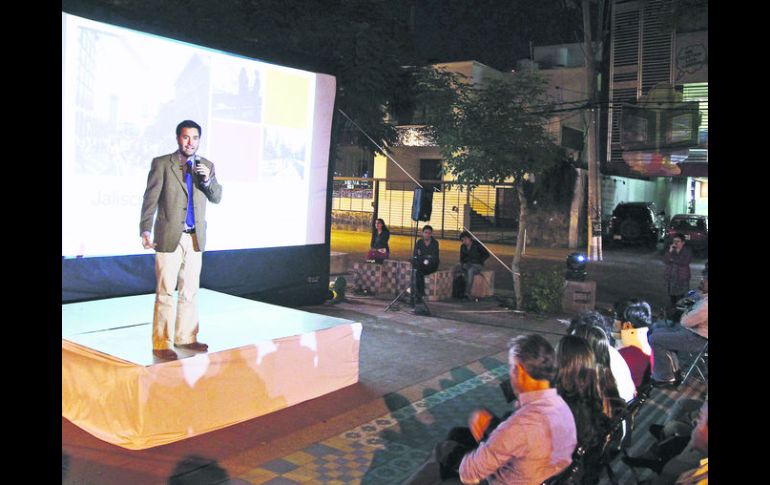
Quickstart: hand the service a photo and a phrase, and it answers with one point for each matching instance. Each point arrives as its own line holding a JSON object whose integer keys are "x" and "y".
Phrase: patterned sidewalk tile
{"x": 389, "y": 448}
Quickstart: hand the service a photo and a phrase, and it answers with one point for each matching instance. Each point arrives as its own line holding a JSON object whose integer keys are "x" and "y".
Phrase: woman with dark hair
{"x": 379, "y": 250}
{"x": 599, "y": 344}
{"x": 577, "y": 382}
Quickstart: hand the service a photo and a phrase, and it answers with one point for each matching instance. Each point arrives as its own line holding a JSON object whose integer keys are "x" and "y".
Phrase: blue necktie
{"x": 190, "y": 221}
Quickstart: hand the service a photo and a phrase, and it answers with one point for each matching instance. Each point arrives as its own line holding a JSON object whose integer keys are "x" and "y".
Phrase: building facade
{"x": 658, "y": 59}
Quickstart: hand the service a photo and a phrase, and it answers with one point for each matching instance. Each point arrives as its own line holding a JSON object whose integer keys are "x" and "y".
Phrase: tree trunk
{"x": 578, "y": 197}
{"x": 520, "y": 237}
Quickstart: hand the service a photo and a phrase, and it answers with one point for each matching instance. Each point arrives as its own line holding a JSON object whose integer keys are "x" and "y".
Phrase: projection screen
{"x": 265, "y": 127}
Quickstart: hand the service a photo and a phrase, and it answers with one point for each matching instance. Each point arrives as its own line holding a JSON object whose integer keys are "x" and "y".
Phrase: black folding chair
{"x": 573, "y": 474}
{"x": 618, "y": 438}
{"x": 700, "y": 364}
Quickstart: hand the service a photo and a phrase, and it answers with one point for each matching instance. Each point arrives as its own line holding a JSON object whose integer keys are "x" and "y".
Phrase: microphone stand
{"x": 420, "y": 308}
{"x": 409, "y": 288}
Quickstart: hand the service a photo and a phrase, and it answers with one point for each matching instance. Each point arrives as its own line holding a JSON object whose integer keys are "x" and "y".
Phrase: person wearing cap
{"x": 472, "y": 257}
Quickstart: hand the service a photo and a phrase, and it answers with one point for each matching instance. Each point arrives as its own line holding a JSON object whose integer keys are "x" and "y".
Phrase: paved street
{"x": 419, "y": 376}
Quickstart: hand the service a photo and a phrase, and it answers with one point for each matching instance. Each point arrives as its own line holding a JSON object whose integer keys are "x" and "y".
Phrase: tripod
{"x": 420, "y": 307}
{"x": 409, "y": 288}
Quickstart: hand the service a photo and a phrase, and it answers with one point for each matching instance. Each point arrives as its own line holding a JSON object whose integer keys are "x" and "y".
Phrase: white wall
{"x": 701, "y": 197}
{"x": 678, "y": 199}
{"x": 621, "y": 189}
{"x": 669, "y": 194}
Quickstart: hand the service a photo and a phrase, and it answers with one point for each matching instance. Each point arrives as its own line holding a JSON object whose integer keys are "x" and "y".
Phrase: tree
{"x": 493, "y": 132}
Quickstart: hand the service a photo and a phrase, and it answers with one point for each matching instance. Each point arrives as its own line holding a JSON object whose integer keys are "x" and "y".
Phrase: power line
{"x": 380, "y": 148}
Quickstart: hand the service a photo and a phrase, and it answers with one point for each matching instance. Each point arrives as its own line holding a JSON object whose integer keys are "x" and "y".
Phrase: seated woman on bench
{"x": 379, "y": 250}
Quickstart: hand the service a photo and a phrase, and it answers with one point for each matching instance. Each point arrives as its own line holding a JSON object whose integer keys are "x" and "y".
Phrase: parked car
{"x": 635, "y": 223}
{"x": 695, "y": 229}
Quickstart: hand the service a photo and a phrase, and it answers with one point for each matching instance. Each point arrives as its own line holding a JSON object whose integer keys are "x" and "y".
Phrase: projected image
{"x": 236, "y": 91}
{"x": 237, "y": 142}
{"x": 123, "y": 94}
{"x": 284, "y": 154}
{"x": 121, "y": 112}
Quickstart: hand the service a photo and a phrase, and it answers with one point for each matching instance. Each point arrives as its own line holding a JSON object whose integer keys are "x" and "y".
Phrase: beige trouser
{"x": 183, "y": 266}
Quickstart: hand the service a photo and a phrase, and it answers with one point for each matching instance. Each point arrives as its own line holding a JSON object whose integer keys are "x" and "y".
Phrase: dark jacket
{"x": 477, "y": 254}
{"x": 428, "y": 252}
{"x": 380, "y": 241}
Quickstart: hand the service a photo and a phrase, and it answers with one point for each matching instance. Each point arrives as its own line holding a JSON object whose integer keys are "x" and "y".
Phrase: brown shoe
{"x": 195, "y": 347}
{"x": 165, "y": 354}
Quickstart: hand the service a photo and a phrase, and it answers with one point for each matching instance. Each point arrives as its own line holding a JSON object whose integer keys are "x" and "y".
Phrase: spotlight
{"x": 576, "y": 267}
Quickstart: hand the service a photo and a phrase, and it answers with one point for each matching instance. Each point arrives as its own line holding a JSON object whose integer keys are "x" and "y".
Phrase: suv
{"x": 695, "y": 229}
{"x": 635, "y": 222}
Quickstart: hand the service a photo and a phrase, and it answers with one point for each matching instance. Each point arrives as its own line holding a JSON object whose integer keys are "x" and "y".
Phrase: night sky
{"x": 494, "y": 32}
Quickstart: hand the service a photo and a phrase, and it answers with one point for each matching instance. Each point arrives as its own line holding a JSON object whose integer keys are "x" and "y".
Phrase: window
{"x": 430, "y": 169}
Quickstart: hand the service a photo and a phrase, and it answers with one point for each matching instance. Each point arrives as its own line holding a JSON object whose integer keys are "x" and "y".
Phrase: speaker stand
{"x": 397, "y": 299}
{"x": 419, "y": 307}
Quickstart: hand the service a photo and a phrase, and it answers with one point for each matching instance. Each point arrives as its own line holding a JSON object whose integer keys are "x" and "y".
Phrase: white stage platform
{"x": 261, "y": 358}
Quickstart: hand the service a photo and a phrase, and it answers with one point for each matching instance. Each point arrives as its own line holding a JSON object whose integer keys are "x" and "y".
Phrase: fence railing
{"x": 486, "y": 209}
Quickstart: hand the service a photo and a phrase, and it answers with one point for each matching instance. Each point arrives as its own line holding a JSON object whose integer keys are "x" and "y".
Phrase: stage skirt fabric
{"x": 140, "y": 406}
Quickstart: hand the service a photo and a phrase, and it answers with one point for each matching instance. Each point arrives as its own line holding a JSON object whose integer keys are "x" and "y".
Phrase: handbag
{"x": 376, "y": 255}
{"x": 458, "y": 287}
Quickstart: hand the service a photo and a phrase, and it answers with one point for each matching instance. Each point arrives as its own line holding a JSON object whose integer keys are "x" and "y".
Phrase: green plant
{"x": 544, "y": 291}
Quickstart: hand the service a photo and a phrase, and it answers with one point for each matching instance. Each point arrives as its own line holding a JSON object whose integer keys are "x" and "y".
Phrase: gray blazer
{"x": 165, "y": 200}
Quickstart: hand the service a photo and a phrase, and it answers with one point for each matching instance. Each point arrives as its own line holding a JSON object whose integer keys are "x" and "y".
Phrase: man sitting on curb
{"x": 472, "y": 257}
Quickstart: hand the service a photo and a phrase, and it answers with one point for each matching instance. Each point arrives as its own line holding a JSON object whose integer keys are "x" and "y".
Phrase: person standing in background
{"x": 677, "y": 273}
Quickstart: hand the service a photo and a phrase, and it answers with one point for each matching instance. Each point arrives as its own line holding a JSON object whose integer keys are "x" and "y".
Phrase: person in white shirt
{"x": 605, "y": 353}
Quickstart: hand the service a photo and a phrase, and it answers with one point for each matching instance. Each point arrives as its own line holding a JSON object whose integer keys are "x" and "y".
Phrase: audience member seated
{"x": 682, "y": 453}
{"x": 689, "y": 335}
{"x": 680, "y": 419}
{"x": 684, "y": 469}
{"x": 614, "y": 374}
{"x": 379, "y": 250}
{"x": 425, "y": 260}
{"x": 634, "y": 320}
{"x": 638, "y": 363}
{"x": 577, "y": 382}
{"x": 472, "y": 257}
{"x": 533, "y": 444}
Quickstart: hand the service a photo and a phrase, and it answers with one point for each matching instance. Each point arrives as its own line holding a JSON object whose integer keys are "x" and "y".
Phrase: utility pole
{"x": 594, "y": 187}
